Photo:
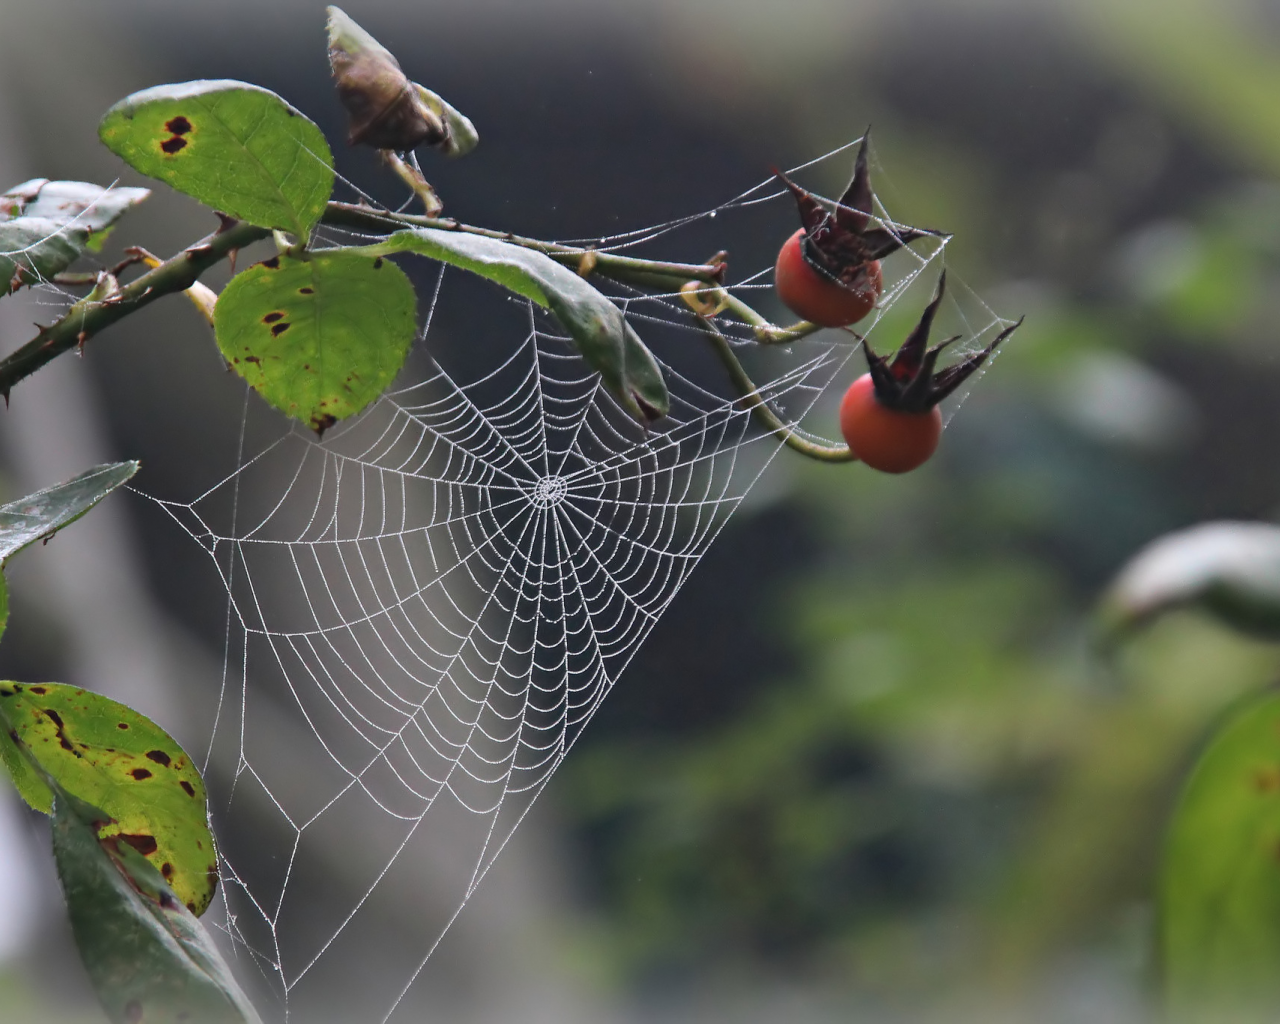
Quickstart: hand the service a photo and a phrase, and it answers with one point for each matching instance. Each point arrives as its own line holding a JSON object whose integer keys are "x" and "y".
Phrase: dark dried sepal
{"x": 946, "y": 381}
{"x": 385, "y": 110}
{"x": 908, "y": 383}
{"x": 853, "y": 212}
{"x": 841, "y": 244}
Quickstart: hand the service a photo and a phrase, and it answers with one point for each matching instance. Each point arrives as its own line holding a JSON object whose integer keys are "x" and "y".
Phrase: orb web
{"x": 549, "y": 491}
{"x": 425, "y": 608}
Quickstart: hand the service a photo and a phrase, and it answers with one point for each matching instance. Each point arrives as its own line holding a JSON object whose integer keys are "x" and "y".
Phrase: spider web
{"x": 425, "y": 609}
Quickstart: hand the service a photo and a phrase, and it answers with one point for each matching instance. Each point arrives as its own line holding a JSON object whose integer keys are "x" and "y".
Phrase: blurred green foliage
{"x": 948, "y": 789}
{"x": 921, "y": 783}
{"x": 1219, "y": 928}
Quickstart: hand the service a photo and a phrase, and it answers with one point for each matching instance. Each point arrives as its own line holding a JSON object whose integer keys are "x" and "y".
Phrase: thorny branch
{"x": 90, "y": 316}
{"x": 87, "y": 318}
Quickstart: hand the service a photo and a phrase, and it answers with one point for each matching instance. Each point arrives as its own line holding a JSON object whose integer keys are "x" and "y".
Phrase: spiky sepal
{"x": 908, "y": 383}
{"x": 840, "y": 245}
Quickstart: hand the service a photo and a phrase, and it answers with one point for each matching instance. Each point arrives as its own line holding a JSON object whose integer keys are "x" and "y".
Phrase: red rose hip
{"x": 884, "y": 438}
{"x": 889, "y": 415}
{"x": 819, "y": 298}
{"x": 829, "y": 271}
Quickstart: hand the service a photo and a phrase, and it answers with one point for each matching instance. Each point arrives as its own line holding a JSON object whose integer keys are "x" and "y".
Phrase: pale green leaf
{"x": 461, "y": 135}
{"x": 79, "y": 203}
{"x": 1229, "y": 569}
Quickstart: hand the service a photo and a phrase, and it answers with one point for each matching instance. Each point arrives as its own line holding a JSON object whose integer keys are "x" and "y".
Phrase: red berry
{"x": 818, "y": 297}
{"x": 887, "y": 439}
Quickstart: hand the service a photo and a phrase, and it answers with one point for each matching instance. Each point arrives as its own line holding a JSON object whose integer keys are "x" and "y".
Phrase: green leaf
{"x": 1219, "y": 926}
{"x": 42, "y": 514}
{"x": 597, "y": 327}
{"x": 236, "y": 147}
{"x": 33, "y": 249}
{"x": 1229, "y": 569}
{"x": 38, "y": 516}
{"x": 117, "y": 759}
{"x": 319, "y": 338}
{"x": 45, "y": 226}
{"x": 149, "y": 959}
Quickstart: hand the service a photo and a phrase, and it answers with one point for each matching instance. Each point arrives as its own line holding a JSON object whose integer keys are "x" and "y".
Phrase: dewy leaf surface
{"x": 39, "y": 515}
{"x": 149, "y": 959}
{"x": 33, "y": 249}
{"x": 42, "y": 514}
{"x": 45, "y": 226}
{"x": 319, "y": 338}
{"x": 117, "y": 759}
{"x": 236, "y": 147}
{"x": 78, "y": 203}
{"x": 597, "y": 327}
{"x": 1219, "y": 925}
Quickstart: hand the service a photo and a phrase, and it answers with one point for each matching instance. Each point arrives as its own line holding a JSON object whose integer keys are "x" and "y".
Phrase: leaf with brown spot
{"x": 148, "y": 958}
{"x": 145, "y": 845}
{"x": 75, "y": 737}
{"x": 236, "y": 147}
{"x": 302, "y": 328}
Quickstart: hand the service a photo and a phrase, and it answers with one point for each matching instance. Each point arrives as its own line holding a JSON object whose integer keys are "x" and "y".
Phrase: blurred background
{"x": 869, "y": 766}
